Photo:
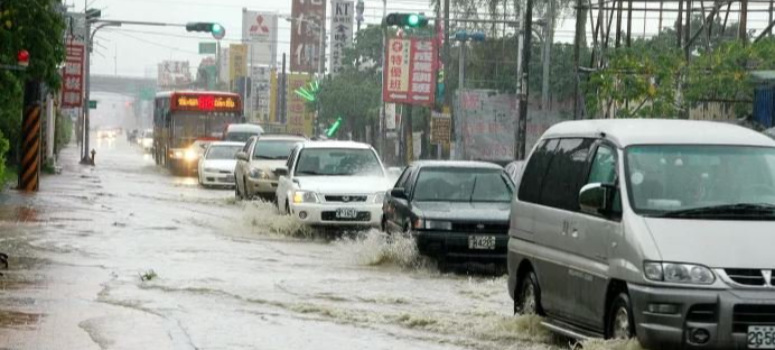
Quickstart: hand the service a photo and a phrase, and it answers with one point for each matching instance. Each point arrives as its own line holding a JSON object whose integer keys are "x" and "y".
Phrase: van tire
{"x": 528, "y": 296}
{"x": 620, "y": 323}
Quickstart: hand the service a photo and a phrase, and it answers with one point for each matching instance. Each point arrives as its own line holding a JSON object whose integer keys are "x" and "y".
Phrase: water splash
{"x": 264, "y": 218}
{"x": 375, "y": 248}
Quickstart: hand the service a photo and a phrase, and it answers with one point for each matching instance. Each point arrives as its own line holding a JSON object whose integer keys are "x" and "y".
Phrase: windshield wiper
{"x": 473, "y": 190}
{"x": 307, "y": 172}
{"x": 264, "y": 157}
{"x": 740, "y": 209}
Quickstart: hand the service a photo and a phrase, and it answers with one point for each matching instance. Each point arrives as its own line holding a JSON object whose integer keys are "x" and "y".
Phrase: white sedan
{"x": 333, "y": 183}
{"x": 216, "y": 166}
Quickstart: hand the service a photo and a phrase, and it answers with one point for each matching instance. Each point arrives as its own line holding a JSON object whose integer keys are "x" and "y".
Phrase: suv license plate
{"x": 481, "y": 242}
{"x": 346, "y": 213}
{"x": 761, "y": 337}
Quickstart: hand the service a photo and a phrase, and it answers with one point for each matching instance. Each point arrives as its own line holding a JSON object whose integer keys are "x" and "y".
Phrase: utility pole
{"x": 688, "y": 30}
{"x": 743, "y": 30}
{"x": 283, "y": 94}
{"x": 547, "y": 56}
{"x": 519, "y": 152}
{"x": 679, "y": 23}
{"x": 447, "y": 58}
{"x": 576, "y": 58}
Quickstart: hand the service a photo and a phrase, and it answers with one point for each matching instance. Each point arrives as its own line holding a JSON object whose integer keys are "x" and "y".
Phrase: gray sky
{"x": 135, "y": 51}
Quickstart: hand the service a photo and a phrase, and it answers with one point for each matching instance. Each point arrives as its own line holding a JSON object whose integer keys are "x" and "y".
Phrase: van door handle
{"x": 575, "y": 234}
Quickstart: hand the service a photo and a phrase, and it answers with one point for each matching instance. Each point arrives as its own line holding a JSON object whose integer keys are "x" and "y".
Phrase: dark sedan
{"x": 457, "y": 211}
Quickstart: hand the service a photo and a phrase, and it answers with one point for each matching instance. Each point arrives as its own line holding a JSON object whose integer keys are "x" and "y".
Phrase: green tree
{"x": 38, "y": 27}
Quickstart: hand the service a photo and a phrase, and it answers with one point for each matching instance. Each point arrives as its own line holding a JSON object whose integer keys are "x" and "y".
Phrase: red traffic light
{"x": 23, "y": 58}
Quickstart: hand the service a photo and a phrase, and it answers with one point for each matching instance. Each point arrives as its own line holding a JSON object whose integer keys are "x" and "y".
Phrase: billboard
{"x": 260, "y": 77}
{"x": 174, "y": 74}
{"x": 410, "y": 75}
{"x": 72, "y": 75}
{"x": 305, "y": 37}
{"x": 238, "y": 64}
{"x": 341, "y": 32}
{"x": 300, "y": 120}
{"x": 223, "y": 66}
{"x": 485, "y": 121}
{"x": 259, "y": 31}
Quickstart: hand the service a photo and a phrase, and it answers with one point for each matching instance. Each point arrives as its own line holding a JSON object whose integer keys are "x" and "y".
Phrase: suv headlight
{"x": 258, "y": 174}
{"x": 304, "y": 197}
{"x": 379, "y": 197}
{"x": 678, "y": 273}
{"x": 421, "y": 224}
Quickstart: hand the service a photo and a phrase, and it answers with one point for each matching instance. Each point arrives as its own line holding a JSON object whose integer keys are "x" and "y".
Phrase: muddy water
{"x": 125, "y": 256}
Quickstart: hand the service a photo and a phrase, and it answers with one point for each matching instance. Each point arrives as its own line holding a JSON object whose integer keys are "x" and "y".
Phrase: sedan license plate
{"x": 481, "y": 242}
{"x": 761, "y": 337}
{"x": 346, "y": 213}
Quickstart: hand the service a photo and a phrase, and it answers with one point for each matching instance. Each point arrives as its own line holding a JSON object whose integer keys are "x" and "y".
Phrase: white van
{"x": 657, "y": 229}
{"x": 241, "y": 132}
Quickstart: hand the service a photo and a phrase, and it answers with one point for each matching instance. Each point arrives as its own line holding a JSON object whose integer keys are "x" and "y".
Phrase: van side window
{"x": 603, "y": 170}
{"x": 532, "y": 178}
{"x": 566, "y": 174}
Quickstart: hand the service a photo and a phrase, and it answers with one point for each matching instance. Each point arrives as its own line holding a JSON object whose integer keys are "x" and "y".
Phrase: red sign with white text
{"x": 72, "y": 75}
{"x": 410, "y": 75}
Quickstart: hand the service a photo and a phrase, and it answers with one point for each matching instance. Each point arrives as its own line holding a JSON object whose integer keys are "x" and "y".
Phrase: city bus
{"x": 181, "y": 118}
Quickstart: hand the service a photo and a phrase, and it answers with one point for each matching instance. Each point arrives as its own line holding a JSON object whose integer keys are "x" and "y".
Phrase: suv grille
{"x": 474, "y": 227}
{"x": 703, "y": 313}
{"x": 331, "y": 216}
{"x": 745, "y": 315}
{"x": 746, "y": 277}
{"x": 346, "y": 199}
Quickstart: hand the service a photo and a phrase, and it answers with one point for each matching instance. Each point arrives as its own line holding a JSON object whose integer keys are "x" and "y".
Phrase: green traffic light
{"x": 218, "y": 31}
{"x": 413, "y": 20}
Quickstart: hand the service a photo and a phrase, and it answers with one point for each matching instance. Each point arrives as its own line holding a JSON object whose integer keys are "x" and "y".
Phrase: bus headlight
{"x": 191, "y": 155}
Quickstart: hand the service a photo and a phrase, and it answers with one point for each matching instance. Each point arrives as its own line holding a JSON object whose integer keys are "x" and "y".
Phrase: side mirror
{"x": 241, "y": 155}
{"x": 398, "y": 193}
{"x": 595, "y": 198}
{"x": 281, "y": 171}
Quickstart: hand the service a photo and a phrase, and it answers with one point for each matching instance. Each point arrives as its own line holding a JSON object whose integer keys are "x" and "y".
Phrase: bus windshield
{"x": 188, "y": 126}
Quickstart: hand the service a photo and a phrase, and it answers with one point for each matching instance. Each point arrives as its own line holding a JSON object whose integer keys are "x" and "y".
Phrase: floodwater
{"x": 126, "y": 256}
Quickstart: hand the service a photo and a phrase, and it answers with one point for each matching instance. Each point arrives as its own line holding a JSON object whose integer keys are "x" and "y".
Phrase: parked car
{"x": 256, "y": 164}
{"x": 216, "y": 167}
{"x": 659, "y": 229}
{"x": 514, "y": 169}
{"x": 454, "y": 210}
{"x": 333, "y": 183}
{"x": 241, "y": 132}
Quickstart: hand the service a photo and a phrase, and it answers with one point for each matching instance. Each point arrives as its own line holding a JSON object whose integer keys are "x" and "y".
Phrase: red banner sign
{"x": 410, "y": 75}
{"x": 72, "y": 75}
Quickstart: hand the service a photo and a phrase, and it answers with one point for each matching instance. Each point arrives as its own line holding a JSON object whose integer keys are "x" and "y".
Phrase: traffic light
{"x": 409, "y": 20}
{"x": 334, "y": 127}
{"x": 217, "y": 30}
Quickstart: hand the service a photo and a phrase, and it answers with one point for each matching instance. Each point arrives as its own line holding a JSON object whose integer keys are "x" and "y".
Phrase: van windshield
{"x": 696, "y": 181}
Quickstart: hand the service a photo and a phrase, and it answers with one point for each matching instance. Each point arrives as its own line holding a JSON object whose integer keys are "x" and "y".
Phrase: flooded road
{"x": 125, "y": 256}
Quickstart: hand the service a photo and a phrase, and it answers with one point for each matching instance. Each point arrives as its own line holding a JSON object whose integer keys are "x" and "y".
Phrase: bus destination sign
{"x": 207, "y": 102}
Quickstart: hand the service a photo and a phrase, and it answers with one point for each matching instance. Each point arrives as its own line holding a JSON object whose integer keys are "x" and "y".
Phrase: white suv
{"x": 333, "y": 183}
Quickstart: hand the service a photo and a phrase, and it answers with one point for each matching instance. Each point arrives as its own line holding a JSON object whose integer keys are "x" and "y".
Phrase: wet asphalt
{"x": 123, "y": 255}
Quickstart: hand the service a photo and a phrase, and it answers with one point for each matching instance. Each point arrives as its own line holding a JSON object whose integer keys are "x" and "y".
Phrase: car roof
{"x": 244, "y": 127}
{"x": 282, "y": 137}
{"x": 227, "y": 143}
{"x": 455, "y": 164}
{"x": 336, "y": 144}
{"x": 626, "y": 132}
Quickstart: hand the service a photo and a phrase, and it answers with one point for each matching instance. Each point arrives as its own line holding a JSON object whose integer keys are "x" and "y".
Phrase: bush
{"x": 3, "y": 149}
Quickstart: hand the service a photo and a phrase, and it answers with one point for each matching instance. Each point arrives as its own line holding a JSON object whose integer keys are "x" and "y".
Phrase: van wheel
{"x": 287, "y": 208}
{"x": 621, "y": 325}
{"x": 528, "y": 300}
{"x": 247, "y": 194}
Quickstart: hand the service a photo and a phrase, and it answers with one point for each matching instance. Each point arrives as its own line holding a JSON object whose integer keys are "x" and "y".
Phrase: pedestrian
{"x": 93, "y": 153}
